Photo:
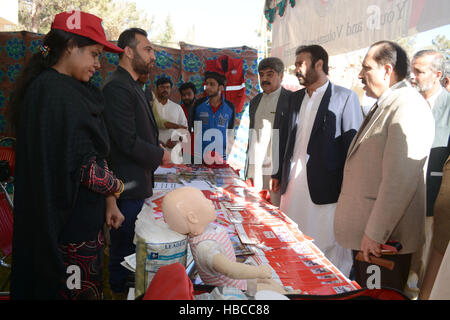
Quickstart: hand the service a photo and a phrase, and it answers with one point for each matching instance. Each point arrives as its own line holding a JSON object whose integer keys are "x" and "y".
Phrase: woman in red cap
{"x": 64, "y": 191}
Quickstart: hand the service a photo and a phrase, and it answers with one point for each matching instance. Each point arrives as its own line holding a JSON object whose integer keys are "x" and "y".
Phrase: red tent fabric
{"x": 232, "y": 69}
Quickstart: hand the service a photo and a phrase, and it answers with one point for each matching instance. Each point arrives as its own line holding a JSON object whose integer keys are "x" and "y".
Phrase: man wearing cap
{"x": 215, "y": 115}
{"x": 135, "y": 151}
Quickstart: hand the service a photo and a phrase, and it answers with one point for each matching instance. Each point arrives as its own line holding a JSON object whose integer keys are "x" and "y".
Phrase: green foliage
{"x": 408, "y": 44}
{"x": 37, "y": 15}
{"x": 439, "y": 43}
{"x": 442, "y": 44}
{"x": 167, "y": 36}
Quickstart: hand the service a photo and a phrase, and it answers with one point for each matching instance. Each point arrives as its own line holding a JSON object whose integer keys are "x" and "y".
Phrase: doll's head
{"x": 187, "y": 211}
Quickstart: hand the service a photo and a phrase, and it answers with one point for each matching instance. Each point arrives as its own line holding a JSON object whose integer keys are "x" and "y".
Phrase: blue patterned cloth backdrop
{"x": 16, "y": 48}
{"x": 180, "y": 65}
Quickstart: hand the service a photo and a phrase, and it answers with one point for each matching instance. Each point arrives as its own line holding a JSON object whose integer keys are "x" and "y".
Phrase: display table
{"x": 260, "y": 232}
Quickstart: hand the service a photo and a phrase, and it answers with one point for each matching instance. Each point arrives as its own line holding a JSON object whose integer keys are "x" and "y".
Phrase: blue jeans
{"x": 122, "y": 244}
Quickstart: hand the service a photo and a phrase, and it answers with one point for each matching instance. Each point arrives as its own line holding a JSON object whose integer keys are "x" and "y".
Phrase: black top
{"x": 135, "y": 151}
{"x": 327, "y": 152}
{"x": 61, "y": 126}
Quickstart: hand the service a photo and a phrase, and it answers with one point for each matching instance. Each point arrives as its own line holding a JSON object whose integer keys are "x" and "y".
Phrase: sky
{"x": 424, "y": 38}
{"x": 218, "y": 24}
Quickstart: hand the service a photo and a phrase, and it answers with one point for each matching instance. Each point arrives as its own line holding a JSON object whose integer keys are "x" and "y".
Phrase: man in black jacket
{"x": 323, "y": 118}
{"x": 135, "y": 151}
{"x": 268, "y": 112}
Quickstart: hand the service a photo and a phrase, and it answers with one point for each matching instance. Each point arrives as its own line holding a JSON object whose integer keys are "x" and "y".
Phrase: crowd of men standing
{"x": 356, "y": 184}
{"x": 360, "y": 186}
{"x": 353, "y": 183}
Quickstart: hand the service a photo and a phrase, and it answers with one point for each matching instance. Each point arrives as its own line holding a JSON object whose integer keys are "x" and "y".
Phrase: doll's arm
{"x": 236, "y": 270}
{"x": 272, "y": 285}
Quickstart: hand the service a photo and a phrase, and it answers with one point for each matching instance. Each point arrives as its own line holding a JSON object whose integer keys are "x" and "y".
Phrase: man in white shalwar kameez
{"x": 267, "y": 114}
{"x": 323, "y": 120}
{"x": 170, "y": 117}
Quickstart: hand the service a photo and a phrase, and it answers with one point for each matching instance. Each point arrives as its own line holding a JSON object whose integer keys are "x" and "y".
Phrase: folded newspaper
{"x": 129, "y": 262}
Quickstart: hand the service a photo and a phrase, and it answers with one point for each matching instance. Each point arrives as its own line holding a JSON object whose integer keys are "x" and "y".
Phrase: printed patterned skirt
{"x": 83, "y": 263}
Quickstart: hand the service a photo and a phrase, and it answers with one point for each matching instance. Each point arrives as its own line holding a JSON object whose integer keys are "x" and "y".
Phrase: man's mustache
{"x": 265, "y": 83}
{"x": 299, "y": 74}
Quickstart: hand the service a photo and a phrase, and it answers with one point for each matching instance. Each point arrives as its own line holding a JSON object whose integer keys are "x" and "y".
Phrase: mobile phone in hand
{"x": 391, "y": 246}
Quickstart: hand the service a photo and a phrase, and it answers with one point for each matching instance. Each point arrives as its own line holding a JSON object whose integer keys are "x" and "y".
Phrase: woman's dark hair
{"x": 56, "y": 41}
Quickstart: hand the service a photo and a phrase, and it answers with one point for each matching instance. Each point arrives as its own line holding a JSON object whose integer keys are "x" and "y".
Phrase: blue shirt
{"x": 221, "y": 120}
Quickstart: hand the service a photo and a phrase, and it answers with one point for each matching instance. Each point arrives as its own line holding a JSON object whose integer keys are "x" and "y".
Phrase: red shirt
{"x": 213, "y": 108}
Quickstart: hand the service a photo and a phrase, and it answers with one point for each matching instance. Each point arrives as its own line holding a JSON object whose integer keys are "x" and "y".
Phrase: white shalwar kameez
{"x": 315, "y": 221}
{"x": 260, "y": 151}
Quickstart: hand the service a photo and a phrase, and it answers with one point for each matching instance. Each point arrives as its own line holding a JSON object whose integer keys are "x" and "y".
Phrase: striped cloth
{"x": 221, "y": 236}
{"x": 238, "y": 153}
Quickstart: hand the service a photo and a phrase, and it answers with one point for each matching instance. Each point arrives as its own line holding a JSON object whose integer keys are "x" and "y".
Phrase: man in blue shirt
{"x": 213, "y": 115}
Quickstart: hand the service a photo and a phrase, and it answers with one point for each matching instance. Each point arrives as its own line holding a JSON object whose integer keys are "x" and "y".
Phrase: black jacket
{"x": 135, "y": 151}
{"x": 440, "y": 150}
{"x": 339, "y": 112}
{"x": 61, "y": 126}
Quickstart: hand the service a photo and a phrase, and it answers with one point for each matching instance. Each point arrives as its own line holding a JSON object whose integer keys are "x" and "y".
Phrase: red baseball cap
{"x": 86, "y": 25}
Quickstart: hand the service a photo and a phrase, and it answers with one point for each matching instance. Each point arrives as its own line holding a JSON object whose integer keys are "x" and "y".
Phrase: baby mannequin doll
{"x": 187, "y": 211}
